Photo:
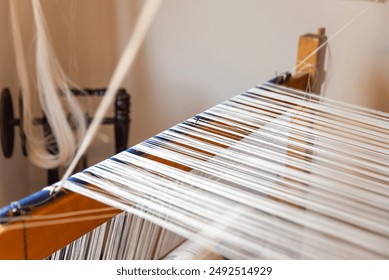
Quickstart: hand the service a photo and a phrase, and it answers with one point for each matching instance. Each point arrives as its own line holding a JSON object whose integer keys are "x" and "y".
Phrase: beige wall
{"x": 199, "y": 53}
{"x": 13, "y": 172}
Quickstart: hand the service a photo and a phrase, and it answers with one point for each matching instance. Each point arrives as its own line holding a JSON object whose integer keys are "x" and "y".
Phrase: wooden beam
{"x": 39, "y": 234}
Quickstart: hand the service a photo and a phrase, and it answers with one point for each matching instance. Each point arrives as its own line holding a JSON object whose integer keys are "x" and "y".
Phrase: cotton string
{"x": 334, "y": 198}
{"x": 291, "y": 188}
{"x": 59, "y": 147}
{"x": 140, "y": 30}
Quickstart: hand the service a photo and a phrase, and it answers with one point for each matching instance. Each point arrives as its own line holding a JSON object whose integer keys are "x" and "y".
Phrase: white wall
{"x": 199, "y": 53}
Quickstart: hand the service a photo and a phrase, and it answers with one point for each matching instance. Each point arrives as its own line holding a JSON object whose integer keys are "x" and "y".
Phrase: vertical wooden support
{"x": 310, "y": 75}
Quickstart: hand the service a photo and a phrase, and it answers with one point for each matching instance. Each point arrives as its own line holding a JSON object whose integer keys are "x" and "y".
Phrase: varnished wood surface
{"x": 29, "y": 239}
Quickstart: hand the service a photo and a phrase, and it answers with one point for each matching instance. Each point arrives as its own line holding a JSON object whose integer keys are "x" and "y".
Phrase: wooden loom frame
{"x": 18, "y": 240}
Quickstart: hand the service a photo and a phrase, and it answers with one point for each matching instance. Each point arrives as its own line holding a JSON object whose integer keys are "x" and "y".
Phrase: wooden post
{"x": 310, "y": 75}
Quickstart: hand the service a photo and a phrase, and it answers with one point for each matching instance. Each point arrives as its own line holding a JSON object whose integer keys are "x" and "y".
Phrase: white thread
{"x": 50, "y": 80}
{"x": 140, "y": 30}
{"x": 335, "y": 202}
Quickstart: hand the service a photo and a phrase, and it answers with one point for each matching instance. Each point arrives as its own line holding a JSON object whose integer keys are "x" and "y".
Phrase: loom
{"x": 22, "y": 236}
